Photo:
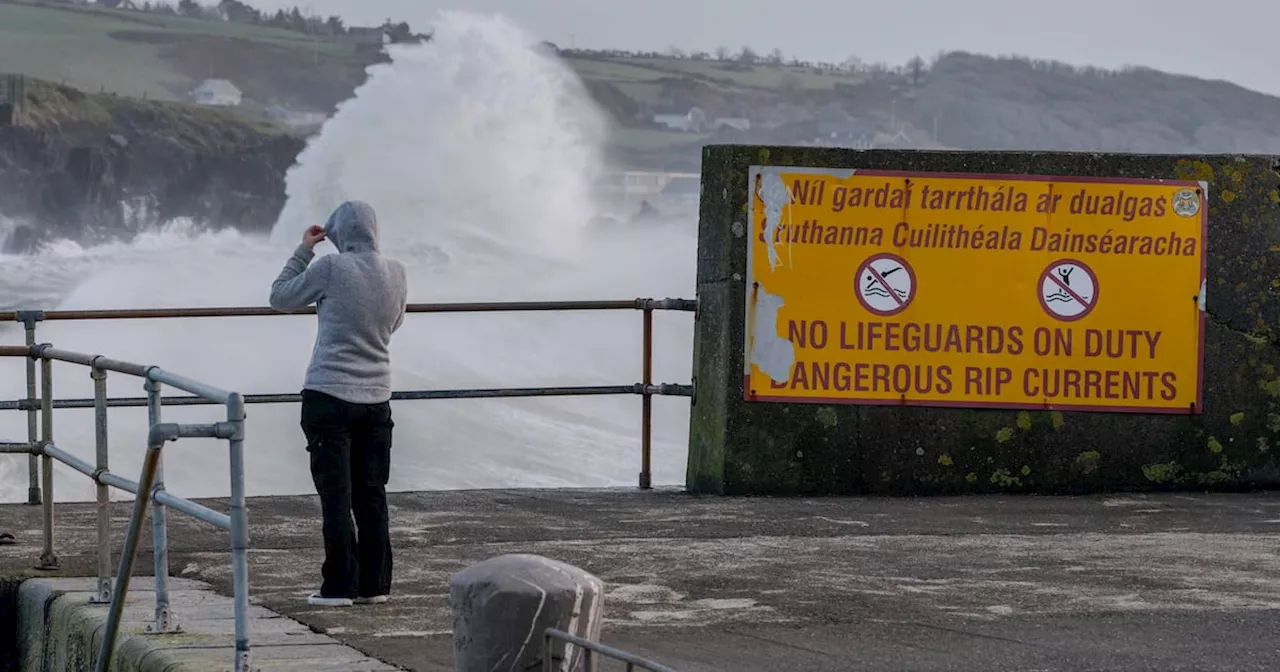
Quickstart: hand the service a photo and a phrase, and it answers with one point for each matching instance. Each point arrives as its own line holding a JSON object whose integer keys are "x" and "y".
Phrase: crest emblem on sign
{"x": 1186, "y": 203}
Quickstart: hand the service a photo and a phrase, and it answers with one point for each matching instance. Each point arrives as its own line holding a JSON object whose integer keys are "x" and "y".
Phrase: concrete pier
{"x": 1122, "y": 582}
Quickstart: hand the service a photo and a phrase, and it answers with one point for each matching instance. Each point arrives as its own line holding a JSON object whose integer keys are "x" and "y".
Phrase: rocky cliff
{"x": 94, "y": 167}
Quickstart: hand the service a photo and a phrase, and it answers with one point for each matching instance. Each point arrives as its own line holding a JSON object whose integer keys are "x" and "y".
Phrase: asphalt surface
{"x": 1127, "y": 582}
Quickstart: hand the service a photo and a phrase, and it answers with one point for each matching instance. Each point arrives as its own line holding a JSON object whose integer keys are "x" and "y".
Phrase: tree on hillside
{"x": 190, "y": 8}
{"x": 676, "y": 52}
{"x": 916, "y": 67}
{"x": 159, "y": 8}
{"x": 775, "y": 57}
{"x": 722, "y": 53}
{"x": 398, "y": 32}
{"x": 239, "y": 12}
{"x": 748, "y": 56}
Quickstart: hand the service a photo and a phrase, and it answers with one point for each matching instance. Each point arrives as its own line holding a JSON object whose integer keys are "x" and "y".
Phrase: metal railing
{"x": 148, "y": 488}
{"x": 589, "y": 651}
{"x": 43, "y": 451}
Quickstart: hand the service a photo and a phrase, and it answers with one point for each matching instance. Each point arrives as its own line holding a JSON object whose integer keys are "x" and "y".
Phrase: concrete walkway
{"x": 61, "y": 627}
{"x": 1169, "y": 582}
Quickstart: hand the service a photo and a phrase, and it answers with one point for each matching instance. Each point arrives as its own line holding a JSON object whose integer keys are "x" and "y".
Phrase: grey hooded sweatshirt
{"x": 360, "y": 300}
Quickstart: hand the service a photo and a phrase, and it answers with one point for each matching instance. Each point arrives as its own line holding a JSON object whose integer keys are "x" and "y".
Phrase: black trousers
{"x": 350, "y": 447}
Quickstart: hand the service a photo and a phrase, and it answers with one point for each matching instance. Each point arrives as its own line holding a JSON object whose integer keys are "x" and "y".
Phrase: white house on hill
{"x": 693, "y": 120}
{"x": 217, "y": 93}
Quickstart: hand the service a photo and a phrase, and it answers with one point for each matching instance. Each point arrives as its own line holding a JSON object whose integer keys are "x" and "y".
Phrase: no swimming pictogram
{"x": 1068, "y": 290}
{"x": 885, "y": 284}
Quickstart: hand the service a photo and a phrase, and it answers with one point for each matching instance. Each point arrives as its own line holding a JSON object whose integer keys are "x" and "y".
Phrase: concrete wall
{"x": 738, "y": 447}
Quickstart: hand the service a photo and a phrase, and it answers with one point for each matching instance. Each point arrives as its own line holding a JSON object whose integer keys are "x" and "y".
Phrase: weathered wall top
{"x": 1180, "y": 286}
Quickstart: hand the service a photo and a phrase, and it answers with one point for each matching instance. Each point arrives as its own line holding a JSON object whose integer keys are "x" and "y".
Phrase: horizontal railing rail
{"x": 663, "y": 389}
{"x": 148, "y": 488}
{"x": 646, "y": 388}
{"x": 589, "y": 651}
{"x": 689, "y": 305}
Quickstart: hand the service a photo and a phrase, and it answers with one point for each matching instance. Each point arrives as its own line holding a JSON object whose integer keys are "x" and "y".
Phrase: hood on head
{"x": 353, "y": 227}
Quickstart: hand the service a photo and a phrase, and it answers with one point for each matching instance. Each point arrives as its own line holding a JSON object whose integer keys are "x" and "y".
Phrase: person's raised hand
{"x": 312, "y": 236}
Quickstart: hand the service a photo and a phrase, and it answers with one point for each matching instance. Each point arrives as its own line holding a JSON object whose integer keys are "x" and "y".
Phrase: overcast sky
{"x": 1224, "y": 39}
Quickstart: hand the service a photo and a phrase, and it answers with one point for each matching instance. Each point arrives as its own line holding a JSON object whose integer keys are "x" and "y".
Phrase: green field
{"x": 640, "y": 78}
{"x": 161, "y": 58}
{"x": 75, "y": 46}
{"x": 754, "y": 76}
{"x": 75, "y": 49}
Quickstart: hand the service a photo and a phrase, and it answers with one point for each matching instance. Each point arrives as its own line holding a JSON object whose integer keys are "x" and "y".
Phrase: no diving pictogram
{"x": 885, "y": 284}
{"x": 1068, "y": 290}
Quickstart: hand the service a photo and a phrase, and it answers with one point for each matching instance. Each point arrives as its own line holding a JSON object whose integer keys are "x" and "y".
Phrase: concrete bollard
{"x": 502, "y": 606}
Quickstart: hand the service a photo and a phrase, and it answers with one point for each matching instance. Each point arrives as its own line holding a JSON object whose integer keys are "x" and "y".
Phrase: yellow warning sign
{"x": 1003, "y": 291}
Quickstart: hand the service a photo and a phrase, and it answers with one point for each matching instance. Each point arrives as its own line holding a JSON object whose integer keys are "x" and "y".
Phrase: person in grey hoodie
{"x": 360, "y": 299}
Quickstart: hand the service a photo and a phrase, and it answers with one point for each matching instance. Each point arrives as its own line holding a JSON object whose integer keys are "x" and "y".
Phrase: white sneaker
{"x": 376, "y": 599}
{"x": 315, "y": 600}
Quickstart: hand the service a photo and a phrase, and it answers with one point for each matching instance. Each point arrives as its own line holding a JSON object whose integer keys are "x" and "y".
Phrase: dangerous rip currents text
{"x": 1117, "y": 374}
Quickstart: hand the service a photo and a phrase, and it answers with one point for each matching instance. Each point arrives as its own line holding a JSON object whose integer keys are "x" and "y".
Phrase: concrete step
{"x": 58, "y": 628}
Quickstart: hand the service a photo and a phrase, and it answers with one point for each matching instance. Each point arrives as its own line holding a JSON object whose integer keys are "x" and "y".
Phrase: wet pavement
{"x": 1125, "y": 582}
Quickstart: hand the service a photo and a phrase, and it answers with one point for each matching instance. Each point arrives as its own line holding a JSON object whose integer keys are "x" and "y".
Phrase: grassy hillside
{"x": 961, "y": 100}
{"x": 50, "y": 104}
{"x": 982, "y": 102}
{"x": 163, "y": 57}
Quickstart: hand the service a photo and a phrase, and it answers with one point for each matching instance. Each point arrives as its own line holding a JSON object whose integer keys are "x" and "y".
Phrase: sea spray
{"x": 479, "y": 151}
{"x": 476, "y": 134}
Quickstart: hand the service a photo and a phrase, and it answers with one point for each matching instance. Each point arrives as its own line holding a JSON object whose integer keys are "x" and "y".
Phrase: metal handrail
{"x": 43, "y": 451}
{"x": 148, "y": 488}
{"x": 661, "y": 389}
{"x": 589, "y": 649}
{"x": 646, "y": 388}
{"x": 689, "y": 305}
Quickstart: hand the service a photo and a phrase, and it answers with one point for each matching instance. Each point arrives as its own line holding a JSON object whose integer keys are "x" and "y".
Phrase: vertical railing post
{"x": 159, "y": 524}
{"x": 48, "y": 559}
{"x": 29, "y": 320}
{"x": 646, "y": 408}
{"x": 239, "y": 532}
{"x": 155, "y": 442}
{"x": 103, "y": 594}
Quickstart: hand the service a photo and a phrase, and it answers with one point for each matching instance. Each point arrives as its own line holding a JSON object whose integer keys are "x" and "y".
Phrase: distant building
{"x": 367, "y": 39}
{"x": 217, "y": 93}
{"x": 683, "y": 189}
{"x": 637, "y": 185}
{"x": 852, "y": 133}
{"x": 693, "y": 120}
{"x": 735, "y": 123}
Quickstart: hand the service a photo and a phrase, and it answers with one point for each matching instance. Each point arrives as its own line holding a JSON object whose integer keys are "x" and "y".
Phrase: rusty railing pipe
{"x": 48, "y": 559}
{"x": 646, "y": 403}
